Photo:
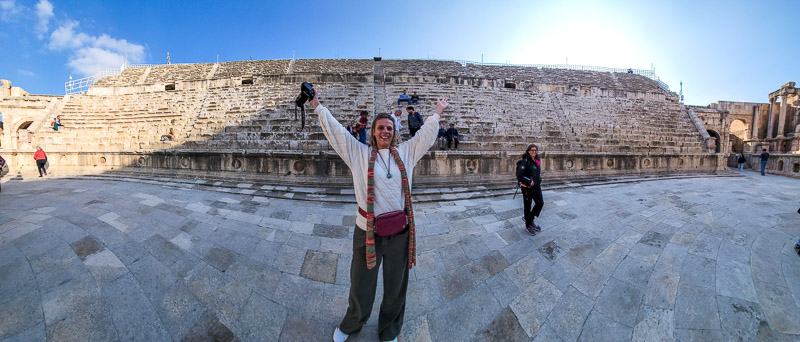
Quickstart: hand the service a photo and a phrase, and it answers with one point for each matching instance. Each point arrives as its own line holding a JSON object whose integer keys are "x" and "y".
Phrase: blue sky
{"x": 721, "y": 50}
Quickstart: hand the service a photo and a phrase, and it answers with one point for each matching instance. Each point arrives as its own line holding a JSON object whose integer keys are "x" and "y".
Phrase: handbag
{"x": 391, "y": 223}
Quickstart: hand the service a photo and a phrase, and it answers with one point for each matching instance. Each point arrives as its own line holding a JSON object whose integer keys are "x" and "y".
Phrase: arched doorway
{"x": 24, "y": 137}
{"x": 737, "y": 136}
{"x": 716, "y": 140}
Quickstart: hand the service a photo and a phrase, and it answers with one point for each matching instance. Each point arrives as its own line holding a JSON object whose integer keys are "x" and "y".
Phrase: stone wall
{"x": 783, "y": 164}
{"x": 24, "y": 116}
{"x": 754, "y": 117}
{"x": 318, "y": 167}
{"x": 717, "y": 124}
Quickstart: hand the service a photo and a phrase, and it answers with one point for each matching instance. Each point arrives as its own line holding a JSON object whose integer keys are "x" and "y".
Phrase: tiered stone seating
{"x": 128, "y": 77}
{"x": 489, "y": 118}
{"x": 252, "y": 68}
{"x": 632, "y": 82}
{"x": 178, "y": 72}
{"x": 261, "y": 117}
{"x": 122, "y": 122}
{"x": 333, "y": 66}
{"x": 545, "y": 76}
{"x": 505, "y": 119}
{"x": 577, "y": 78}
{"x": 597, "y": 124}
{"x": 423, "y": 67}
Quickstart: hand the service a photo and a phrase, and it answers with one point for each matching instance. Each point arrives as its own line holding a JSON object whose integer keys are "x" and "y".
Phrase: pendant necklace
{"x": 388, "y": 174}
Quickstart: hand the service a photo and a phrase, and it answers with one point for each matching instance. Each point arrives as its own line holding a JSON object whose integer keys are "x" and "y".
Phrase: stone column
{"x": 8, "y": 133}
{"x": 754, "y": 122}
{"x": 771, "y": 116}
{"x": 794, "y": 113}
{"x": 782, "y": 115}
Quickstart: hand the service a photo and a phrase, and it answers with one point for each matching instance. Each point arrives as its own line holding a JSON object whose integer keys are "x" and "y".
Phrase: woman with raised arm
{"x": 384, "y": 230}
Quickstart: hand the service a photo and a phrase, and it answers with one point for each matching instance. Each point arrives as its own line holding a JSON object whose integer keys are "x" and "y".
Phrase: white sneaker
{"x": 395, "y": 340}
{"x": 339, "y": 336}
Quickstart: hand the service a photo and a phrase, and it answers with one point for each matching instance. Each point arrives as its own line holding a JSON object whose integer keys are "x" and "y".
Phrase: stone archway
{"x": 716, "y": 141}
{"x": 24, "y": 137}
{"x": 738, "y": 133}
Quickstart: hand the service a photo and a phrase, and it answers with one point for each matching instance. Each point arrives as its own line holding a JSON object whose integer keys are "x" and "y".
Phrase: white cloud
{"x": 26, "y": 73}
{"x": 64, "y": 37}
{"x": 44, "y": 11}
{"x": 9, "y": 10}
{"x": 91, "y": 60}
{"x": 93, "y": 54}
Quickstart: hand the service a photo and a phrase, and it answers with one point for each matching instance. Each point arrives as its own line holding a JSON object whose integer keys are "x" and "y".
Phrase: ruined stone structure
{"x": 236, "y": 120}
{"x": 716, "y": 124}
{"x": 749, "y": 128}
{"x": 23, "y": 116}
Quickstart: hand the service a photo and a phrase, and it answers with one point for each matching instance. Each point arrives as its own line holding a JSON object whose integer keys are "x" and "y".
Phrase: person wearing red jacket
{"x": 41, "y": 159}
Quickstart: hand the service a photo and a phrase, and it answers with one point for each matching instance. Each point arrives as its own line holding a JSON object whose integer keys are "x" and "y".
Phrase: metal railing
{"x": 82, "y": 85}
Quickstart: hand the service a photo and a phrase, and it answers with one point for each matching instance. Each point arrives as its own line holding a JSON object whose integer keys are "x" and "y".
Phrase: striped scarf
{"x": 412, "y": 242}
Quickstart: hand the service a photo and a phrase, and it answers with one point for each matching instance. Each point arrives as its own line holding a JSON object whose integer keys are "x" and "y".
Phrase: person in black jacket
{"x": 441, "y": 138}
{"x": 3, "y": 169}
{"x": 741, "y": 160}
{"x": 530, "y": 180}
{"x": 415, "y": 121}
{"x": 452, "y": 136}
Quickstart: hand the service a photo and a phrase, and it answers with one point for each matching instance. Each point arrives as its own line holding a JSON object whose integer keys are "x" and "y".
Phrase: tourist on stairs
{"x": 57, "y": 123}
{"x": 452, "y": 136}
{"x": 404, "y": 98}
{"x": 530, "y": 180}
{"x": 442, "y": 137}
{"x": 384, "y": 232}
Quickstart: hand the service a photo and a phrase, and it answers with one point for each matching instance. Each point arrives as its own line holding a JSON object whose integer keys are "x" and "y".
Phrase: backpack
{"x": 3, "y": 167}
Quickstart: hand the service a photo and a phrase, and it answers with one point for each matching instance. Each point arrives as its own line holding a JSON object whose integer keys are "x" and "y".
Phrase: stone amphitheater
{"x": 236, "y": 121}
{"x": 241, "y": 228}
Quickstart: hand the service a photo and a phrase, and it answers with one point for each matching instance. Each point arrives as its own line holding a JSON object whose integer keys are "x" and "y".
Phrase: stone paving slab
{"x": 687, "y": 259}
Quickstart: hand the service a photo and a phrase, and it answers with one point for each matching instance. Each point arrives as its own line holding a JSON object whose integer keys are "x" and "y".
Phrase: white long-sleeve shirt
{"x": 397, "y": 125}
{"x": 388, "y": 191}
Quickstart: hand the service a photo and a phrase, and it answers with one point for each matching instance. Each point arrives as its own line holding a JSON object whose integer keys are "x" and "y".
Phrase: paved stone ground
{"x": 705, "y": 259}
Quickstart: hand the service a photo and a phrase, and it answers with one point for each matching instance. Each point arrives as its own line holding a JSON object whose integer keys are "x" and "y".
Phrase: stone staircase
{"x": 379, "y": 91}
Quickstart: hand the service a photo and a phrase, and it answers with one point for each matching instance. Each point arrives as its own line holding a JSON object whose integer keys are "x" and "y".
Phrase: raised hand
{"x": 441, "y": 104}
{"x": 314, "y": 102}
